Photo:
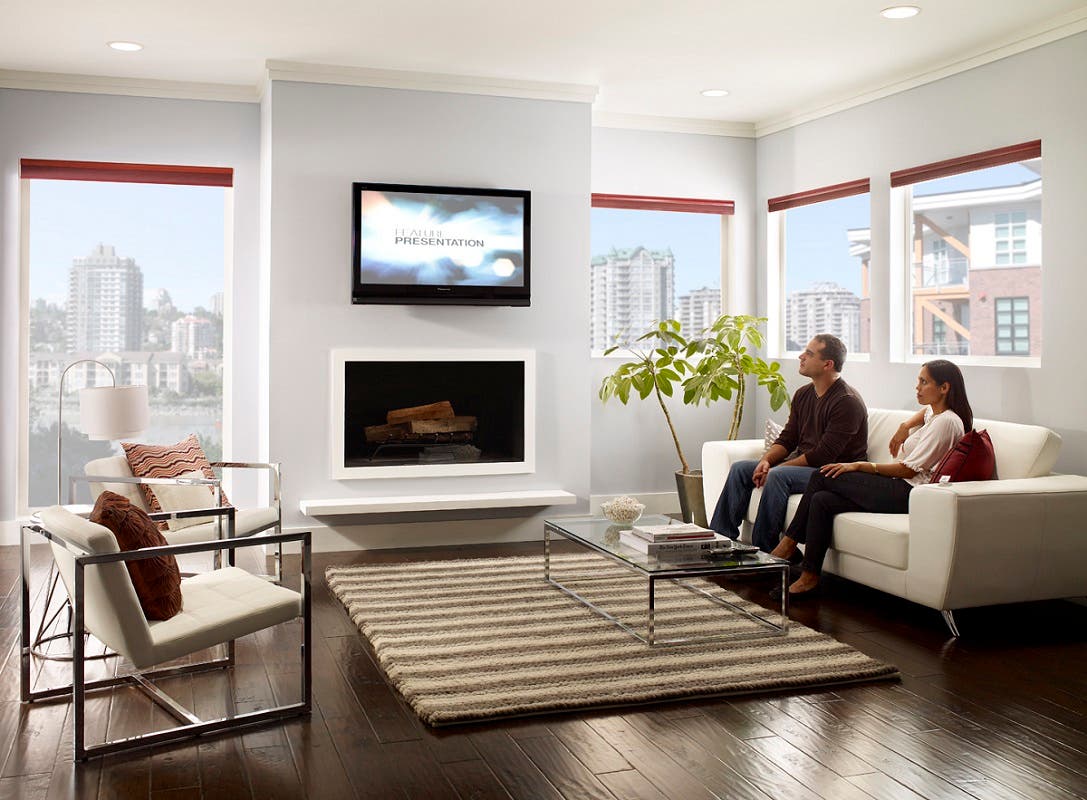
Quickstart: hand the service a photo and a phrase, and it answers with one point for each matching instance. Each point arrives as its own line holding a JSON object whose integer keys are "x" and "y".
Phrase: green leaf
{"x": 664, "y": 385}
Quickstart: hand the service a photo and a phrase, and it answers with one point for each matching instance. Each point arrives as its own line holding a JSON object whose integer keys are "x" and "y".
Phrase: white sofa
{"x": 1018, "y": 538}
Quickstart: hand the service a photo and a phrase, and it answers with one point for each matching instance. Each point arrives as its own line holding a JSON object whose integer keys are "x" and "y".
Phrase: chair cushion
{"x": 971, "y": 459}
{"x": 166, "y": 461}
{"x": 182, "y": 497}
{"x": 246, "y": 523}
{"x": 221, "y": 605}
{"x": 115, "y": 467}
{"x": 772, "y": 432}
{"x": 157, "y": 580}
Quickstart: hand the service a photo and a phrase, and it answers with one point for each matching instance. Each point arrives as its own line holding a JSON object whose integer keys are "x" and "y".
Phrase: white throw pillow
{"x": 183, "y": 497}
{"x": 773, "y": 431}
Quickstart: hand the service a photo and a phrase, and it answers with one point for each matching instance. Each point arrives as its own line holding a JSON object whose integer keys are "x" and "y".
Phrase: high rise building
{"x": 217, "y": 304}
{"x": 697, "y": 310}
{"x": 631, "y": 289}
{"x": 193, "y": 336}
{"x": 823, "y": 308}
{"x": 105, "y": 303}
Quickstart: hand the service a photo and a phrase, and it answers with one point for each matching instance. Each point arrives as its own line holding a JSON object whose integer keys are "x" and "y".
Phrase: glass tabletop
{"x": 602, "y": 534}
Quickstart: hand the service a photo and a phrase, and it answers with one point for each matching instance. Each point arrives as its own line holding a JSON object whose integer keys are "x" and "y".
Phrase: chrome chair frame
{"x": 191, "y": 726}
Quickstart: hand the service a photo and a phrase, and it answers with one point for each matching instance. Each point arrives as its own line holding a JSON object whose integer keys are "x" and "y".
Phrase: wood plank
{"x": 806, "y": 770}
{"x": 26, "y": 787}
{"x": 272, "y": 773}
{"x": 514, "y": 770}
{"x": 588, "y": 746}
{"x": 631, "y": 785}
{"x": 569, "y": 775}
{"x": 473, "y": 779}
{"x": 712, "y": 743}
{"x": 440, "y": 410}
{"x": 670, "y": 777}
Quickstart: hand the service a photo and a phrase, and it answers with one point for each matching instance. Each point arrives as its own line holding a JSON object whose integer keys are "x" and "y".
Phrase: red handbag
{"x": 971, "y": 459}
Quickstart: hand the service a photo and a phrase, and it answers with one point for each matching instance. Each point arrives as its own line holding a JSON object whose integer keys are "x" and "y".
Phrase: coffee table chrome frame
{"x": 673, "y": 575}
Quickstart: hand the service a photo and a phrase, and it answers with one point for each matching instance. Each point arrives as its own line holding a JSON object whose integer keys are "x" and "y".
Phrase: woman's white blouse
{"x": 924, "y": 448}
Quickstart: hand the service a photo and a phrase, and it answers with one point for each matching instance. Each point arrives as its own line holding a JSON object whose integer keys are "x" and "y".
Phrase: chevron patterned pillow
{"x": 166, "y": 461}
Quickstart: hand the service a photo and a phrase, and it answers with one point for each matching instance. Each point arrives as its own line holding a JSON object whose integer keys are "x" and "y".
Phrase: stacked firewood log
{"x": 434, "y": 422}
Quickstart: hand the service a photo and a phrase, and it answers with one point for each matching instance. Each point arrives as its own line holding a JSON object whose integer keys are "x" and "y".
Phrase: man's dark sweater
{"x": 827, "y": 429}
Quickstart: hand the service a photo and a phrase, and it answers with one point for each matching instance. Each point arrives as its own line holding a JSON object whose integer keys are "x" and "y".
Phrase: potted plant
{"x": 709, "y": 367}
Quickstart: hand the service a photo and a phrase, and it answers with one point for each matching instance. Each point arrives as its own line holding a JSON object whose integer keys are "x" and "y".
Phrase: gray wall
{"x": 632, "y": 450}
{"x": 321, "y": 138}
{"x": 1040, "y": 93}
{"x": 92, "y": 127}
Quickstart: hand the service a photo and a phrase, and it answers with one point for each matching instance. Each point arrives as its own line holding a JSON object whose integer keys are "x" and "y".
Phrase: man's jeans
{"x": 770, "y": 519}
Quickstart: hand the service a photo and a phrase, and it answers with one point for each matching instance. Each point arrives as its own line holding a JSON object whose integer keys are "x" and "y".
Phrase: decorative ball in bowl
{"x": 623, "y": 510}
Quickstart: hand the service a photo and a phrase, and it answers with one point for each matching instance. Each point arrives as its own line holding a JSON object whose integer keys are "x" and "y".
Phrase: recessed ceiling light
{"x": 126, "y": 47}
{"x": 900, "y": 12}
{"x": 714, "y": 92}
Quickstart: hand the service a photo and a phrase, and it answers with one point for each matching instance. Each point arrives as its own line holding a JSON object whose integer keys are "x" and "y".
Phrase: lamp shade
{"x": 113, "y": 412}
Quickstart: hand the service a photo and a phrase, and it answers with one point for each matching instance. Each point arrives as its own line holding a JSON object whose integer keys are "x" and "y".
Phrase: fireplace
{"x": 399, "y": 413}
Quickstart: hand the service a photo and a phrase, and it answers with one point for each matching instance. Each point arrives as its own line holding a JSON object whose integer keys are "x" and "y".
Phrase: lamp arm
{"x": 60, "y": 416}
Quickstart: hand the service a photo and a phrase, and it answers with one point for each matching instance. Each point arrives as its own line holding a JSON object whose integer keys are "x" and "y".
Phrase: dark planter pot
{"x": 691, "y": 503}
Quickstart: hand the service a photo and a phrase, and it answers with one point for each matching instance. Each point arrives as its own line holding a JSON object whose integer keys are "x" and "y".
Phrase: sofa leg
{"x": 950, "y": 620}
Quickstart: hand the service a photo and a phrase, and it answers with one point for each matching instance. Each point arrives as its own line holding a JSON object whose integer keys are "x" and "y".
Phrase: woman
{"x": 880, "y": 488}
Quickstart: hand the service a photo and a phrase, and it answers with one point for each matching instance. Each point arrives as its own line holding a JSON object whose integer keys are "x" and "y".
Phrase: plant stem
{"x": 738, "y": 408}
{"x": 671, "y": 427}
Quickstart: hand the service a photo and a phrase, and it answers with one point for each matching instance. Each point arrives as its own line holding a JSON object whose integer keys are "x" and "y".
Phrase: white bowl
{"x": 623, "y": 510}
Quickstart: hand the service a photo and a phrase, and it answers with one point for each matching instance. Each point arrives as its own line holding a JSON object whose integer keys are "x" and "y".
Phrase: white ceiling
{"x": 778, "y": 58}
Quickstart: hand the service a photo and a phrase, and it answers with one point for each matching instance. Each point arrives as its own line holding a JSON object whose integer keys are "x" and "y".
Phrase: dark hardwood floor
{"x": 996, "y": 715}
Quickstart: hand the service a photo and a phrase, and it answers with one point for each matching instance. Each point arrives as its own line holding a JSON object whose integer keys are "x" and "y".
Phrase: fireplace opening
{"x": 433, "y": 412}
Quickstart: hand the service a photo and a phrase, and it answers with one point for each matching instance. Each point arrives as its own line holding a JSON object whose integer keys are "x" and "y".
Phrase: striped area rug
{"x": 476, "y": 639}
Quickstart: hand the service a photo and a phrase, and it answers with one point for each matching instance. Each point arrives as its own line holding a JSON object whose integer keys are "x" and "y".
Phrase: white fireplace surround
{"x": 342, "y": 356}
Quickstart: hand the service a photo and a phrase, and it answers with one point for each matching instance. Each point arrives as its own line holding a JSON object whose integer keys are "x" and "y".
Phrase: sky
{"x": 695, "y": 240}
{"x": 816, "y": 235}
{"x": 175, "y": 233}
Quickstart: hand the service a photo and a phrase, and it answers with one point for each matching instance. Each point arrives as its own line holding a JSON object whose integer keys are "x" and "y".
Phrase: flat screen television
{"x": 440, "y": 244}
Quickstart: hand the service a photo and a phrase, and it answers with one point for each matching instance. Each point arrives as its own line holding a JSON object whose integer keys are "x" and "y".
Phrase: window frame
{"x": 901, "y": 239}
{"x": 689, "y": 205}
{"x": 1011, "y": 338}
{"x": 114, "y": 172}
{"x": 776, "y": 339}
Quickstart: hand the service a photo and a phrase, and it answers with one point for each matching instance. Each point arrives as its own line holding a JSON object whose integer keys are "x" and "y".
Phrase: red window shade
{"x": 954, "y": 166}
{"x": 125, "y": 173}
{"x": 838, "y": 190}
{"x": 643, "y": 203}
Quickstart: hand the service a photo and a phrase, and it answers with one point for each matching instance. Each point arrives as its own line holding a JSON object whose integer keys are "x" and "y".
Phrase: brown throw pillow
{"x": 166, "y": 461}
{"x": 157, "y": 580}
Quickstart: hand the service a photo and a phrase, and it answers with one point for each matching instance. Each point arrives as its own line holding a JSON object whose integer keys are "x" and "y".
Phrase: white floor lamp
{"x": 105, "y": 412}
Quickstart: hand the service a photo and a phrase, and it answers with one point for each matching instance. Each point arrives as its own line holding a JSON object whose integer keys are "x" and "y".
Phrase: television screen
{"x": 435, "y": 244}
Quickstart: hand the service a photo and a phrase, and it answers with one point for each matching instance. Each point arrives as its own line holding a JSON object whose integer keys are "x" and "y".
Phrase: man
{"x": 828, "y": 423}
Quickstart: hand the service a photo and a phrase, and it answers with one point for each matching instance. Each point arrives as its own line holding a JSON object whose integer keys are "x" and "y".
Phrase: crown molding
{"x": 646, "y": 122}
{"x": 428, "y": 81}
{"x": 133, "y": 87}
{"x": 1044, "y": 33}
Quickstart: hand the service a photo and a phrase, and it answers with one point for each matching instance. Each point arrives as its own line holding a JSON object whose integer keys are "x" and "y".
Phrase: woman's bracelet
{"x": 875, "y": 469}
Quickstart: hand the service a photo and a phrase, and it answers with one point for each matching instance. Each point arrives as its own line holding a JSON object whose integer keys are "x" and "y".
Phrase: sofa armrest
{"x": 717, "y": 460}
{"x": 989, "y": 542}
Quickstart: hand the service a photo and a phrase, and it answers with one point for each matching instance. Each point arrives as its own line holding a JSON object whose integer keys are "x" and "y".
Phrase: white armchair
{"x": 1010, "y": 540}
{"x": 218, "y": 607}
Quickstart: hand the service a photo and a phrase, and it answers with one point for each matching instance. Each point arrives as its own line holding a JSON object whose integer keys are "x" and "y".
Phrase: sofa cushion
{"x": 157, "y": 580}
{"x": 1022, "y": 451}
{"x": 115, "y": 467}
{"x": 884, "y": 538}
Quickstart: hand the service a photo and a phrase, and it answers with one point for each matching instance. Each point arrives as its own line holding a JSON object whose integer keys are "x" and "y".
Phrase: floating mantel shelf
{"x": 435, "y": 502}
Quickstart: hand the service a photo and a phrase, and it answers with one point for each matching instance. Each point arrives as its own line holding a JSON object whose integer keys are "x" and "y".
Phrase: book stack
{"x": 678, "y": 540}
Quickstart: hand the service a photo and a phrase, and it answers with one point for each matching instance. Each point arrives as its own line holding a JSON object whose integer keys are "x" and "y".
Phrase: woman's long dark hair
{"x": 943, "y": 371}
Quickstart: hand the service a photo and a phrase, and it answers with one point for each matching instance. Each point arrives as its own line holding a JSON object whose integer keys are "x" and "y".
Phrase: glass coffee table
{"x": 602, "y": 536}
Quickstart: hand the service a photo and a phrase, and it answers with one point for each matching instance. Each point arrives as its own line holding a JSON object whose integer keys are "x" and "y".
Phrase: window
{"x": 654, "y": 258}
{"x": 1013, "y": 326}
{"x": 972, "y": 240}
{"x": 818, "y": 256}
{"x": 126, "y": 267}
